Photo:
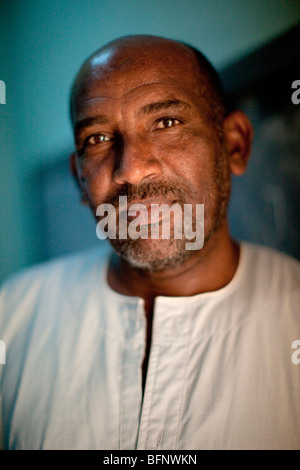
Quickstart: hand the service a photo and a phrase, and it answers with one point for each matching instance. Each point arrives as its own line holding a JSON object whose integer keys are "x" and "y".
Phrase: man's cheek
{"x": 96, "y": 186}
{"x": 179, "y": 152}
{"x": 94, "y": 172}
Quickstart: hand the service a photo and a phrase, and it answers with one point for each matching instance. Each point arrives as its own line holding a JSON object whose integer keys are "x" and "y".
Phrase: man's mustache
{"x": 150, "y": 189}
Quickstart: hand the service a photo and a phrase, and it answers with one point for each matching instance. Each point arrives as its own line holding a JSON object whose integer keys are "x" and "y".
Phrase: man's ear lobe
{"x": 78, "y": 180}
{"x": 238, "y": 133}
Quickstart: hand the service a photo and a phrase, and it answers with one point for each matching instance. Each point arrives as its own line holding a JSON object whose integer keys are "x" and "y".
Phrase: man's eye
{"x": 167, "y": 122}
{"x": 97, "y": 139}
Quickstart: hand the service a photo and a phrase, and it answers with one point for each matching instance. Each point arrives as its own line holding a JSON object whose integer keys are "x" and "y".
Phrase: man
{"x": 154, "y": 346}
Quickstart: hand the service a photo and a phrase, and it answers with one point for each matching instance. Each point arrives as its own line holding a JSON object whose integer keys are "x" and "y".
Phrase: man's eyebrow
{"x": 161, "y": 105}
{"x": 90, "y": 121}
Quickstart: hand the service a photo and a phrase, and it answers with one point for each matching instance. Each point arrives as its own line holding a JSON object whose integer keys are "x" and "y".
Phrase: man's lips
{"x": 145, "y": 211}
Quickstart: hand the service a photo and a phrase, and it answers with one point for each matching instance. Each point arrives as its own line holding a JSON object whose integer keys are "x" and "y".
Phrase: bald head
{"x": 142, "y": 52}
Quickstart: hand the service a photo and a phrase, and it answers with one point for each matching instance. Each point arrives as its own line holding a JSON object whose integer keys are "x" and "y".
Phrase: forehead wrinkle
{"x": 84, "y": 101}
{"x": 161, "y": 105}
{"x": 141, "y": 86}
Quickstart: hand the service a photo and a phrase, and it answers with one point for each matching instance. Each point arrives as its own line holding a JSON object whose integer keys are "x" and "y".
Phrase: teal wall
{"x": 42, "y": 44}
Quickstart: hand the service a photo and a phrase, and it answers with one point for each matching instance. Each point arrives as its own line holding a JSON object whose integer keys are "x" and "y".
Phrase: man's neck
{"x": 210, "y": 269}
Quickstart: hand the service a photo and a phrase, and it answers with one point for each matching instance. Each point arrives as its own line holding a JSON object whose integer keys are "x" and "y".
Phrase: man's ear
{"x": 238, "y": 133}
{"x": 77, "y": 178}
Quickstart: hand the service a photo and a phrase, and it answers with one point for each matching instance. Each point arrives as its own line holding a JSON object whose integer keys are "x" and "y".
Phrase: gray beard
{"x": 168, "y": 253}
{"x": 165, "y": 254}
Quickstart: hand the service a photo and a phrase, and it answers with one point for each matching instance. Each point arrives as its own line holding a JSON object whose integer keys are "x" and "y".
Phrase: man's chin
{"x": 152, "y": 255}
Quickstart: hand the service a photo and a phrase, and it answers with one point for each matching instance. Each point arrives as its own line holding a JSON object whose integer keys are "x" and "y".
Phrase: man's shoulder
{"x": 58, "y": 273}
{"x": 269, "y": 254}
{"x": 272, "y": 266}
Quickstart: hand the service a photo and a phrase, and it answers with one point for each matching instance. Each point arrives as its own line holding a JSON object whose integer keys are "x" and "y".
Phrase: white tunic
{"x": 220, "y": 372}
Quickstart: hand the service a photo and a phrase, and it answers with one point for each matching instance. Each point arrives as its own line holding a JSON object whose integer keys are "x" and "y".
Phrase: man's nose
{"x": 136, "y": 163}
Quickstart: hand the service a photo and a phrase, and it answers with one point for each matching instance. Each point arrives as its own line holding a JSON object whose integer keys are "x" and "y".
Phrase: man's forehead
{"x": 137, "y": 89}
{"x": 116, "y": 72}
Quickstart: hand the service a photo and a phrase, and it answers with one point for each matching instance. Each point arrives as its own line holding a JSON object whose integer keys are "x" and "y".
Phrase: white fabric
{"x": 220, "y": 374}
